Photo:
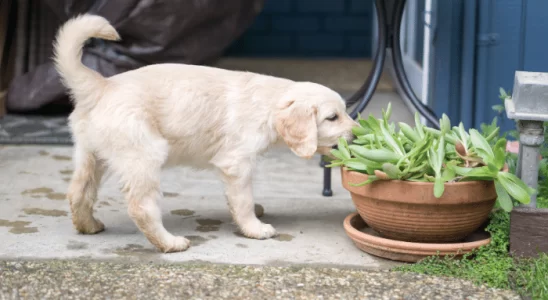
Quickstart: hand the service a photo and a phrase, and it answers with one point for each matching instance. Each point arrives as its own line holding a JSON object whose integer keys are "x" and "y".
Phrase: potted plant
{"x": 426, "y": 185}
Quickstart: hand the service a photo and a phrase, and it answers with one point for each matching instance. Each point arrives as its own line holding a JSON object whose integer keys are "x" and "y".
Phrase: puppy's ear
{"x": 296, "y": 124}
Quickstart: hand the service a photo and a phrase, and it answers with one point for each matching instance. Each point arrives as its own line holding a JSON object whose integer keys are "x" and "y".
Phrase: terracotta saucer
{"x": 369, "y": 241}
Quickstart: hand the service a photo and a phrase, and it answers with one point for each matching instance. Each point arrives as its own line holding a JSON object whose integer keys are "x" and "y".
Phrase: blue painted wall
{"x": 297, "y": 28}
{"x": 522, "y": 27}
{"x": 446, "y": 65}
{"x": 468, "y": 71}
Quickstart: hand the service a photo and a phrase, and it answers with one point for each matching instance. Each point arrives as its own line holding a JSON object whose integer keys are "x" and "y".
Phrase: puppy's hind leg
{"x": 82, "y": 192}
{"x": 141, "y": 180}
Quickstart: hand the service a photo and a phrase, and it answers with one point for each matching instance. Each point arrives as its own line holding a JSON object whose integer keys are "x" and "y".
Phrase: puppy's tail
{"x": 79, "y": 79}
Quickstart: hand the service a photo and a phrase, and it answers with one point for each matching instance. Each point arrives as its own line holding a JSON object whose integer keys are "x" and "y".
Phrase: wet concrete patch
{"x": 23, "y": 230}
{"x": 207, "y": 225}
{"x": 44, "y": 192}
{"x": 170, "y": 195}
{"x": 241, "y": 245}
{"x": 61, "y": 157}
{"x": 136, "y": 251}
{"x": 56, "y": 196}
{"x": 284, "y": 237}
{"x": 37, "y": 191}
{"x": 75, "y": 245}
{"x": 6, "y": 223}
{"x": 45, "y": 212}
{"x": 182, "y": 212}
{"x": 66, "y": 172}
{"x": 196, "y": 240}
{"x": 18, "y": 227}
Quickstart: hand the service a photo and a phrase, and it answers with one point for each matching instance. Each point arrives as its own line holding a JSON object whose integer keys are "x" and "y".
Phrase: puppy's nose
{"x": 351, "y": 137}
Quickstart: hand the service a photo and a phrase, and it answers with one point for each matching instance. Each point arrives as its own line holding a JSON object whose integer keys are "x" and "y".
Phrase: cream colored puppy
{"x": 138, "y": 122}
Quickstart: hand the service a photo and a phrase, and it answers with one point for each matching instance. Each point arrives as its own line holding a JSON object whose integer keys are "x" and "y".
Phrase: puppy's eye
{"x": 332, "y": 118}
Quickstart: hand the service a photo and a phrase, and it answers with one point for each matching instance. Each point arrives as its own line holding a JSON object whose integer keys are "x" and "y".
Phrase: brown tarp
{"x": 182, "y": 31}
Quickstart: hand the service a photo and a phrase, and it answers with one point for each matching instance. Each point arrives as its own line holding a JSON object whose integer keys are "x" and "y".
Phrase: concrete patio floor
{"x": 35, "y": 216}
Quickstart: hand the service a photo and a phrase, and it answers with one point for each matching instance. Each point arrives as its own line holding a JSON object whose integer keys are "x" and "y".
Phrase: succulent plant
{"x": 451, "y": 154}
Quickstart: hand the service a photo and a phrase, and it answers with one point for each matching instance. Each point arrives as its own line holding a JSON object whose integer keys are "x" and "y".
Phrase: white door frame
{"x": 408, "y": 41}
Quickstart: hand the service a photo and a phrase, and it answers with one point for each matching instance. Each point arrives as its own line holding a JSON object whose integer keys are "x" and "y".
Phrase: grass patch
{"x": 492, "y": 265}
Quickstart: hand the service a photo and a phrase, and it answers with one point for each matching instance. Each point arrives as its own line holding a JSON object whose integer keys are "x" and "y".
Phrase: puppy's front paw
{"x": 176, "y": 244}
{"x": 259, "y": 231}
{"x": 91, "y": 226}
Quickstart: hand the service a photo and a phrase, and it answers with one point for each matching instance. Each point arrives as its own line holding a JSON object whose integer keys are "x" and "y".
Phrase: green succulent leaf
{"x": 498, "y": 108}
{"x": 409, "y": 133}
{"x": 335, "y": 164}
{"x": 381, "y": 155}
{"x": 514, "y": 188}
{"x": 419, "y": 126}
{"x": 503, "y": 198}
{"x": 387, "y": 114}
{"x": 439, "y": 187}
{"x": 343, "y": 148}
{"x": 391, "y": 142}
{"x": 493, "y": 133}
{"x": 370, "y": 179}
{"x": 391, "y": 170}
{"x": 337, "y": 154}
{"x": 475, "y": 172}
{"x": 374, "y": 124}
{"x": 515, "y": 180}
{"x": 356, "y": 164}
{"x": 359, "y": 131}
{"x": 480, "y": 143}
{"x": 445, "y": 124}
{"x": 448, "y": 175}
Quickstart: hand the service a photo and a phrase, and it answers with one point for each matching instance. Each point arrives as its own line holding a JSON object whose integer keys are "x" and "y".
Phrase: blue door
{"x": 477, "y": 49}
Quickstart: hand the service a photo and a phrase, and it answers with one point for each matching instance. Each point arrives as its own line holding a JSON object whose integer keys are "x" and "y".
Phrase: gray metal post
{"x": 529, "y": 106}
{"x": 520, "y": 150}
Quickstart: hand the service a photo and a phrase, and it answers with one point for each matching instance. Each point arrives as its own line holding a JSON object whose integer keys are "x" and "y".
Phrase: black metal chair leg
{"x": 327, "y": 191}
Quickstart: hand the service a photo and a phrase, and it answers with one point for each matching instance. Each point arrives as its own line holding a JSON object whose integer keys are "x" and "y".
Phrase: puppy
{"x": 138, "y": 122}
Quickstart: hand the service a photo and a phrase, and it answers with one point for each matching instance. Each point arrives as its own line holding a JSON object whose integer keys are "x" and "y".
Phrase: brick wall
{"x": 318, "y": 28}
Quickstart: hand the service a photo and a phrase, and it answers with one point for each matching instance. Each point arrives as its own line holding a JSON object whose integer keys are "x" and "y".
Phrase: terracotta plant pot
{"x": 408, "y": 211}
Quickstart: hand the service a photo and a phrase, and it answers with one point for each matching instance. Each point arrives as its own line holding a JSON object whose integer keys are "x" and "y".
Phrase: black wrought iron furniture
{"x": 389, "y": 32}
